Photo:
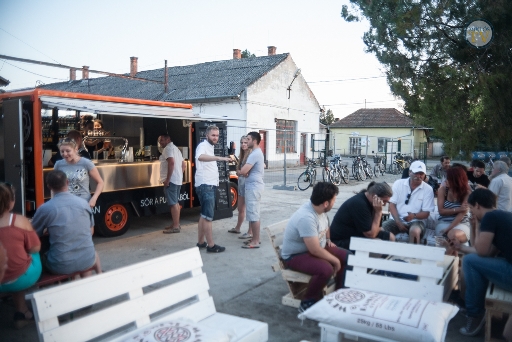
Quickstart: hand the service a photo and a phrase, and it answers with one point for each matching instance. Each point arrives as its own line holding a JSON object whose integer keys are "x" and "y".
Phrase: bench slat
{"x": 128, "y": 312}
{"x": 111, "y": 284}
{"x": 395, "y": 266}
{"x": 403, "y": 250}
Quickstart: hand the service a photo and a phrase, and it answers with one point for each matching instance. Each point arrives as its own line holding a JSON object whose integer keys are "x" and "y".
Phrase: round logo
{"x": 172, "y": 334}
{"x": 479, "y": 33}
{"x": 349, "y": 296}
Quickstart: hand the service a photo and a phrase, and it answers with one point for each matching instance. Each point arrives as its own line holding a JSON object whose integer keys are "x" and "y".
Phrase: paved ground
{"x": 242, "y": 282}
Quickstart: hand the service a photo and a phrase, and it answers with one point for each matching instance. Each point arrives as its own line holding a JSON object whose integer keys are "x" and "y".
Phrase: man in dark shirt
{"x": 360, "y": 216}
{"x": 478, "y": 176}
{"x": 490, "y": 235}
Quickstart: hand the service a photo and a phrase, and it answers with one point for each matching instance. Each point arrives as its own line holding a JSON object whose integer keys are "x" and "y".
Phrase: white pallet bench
{"x": 437, "y": 276}
{"x": 172, "y": 287}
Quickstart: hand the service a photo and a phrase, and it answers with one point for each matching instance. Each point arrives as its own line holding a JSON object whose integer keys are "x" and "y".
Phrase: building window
{"x": 285, "y": 132}
{"x": 355, "y": 146}
{"x": 381, "y": 147}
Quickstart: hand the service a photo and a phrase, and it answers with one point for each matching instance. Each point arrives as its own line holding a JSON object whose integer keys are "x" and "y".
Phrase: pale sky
{"x": 105, "y": 34}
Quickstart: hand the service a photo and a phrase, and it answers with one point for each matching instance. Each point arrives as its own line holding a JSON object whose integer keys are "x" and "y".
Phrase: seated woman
{"x": 23, "y": 263}
{"x": 452, "y": 203}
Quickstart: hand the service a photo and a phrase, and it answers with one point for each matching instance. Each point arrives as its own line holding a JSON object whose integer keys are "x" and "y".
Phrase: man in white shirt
{"x": 501, "y": 185}
{"x": 171, "y": 175}
{"x": 411, "y": 204}
{"x": 206, "y": 183}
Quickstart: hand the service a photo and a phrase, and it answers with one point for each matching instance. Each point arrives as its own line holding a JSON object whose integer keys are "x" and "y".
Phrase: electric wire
{"x": 29, "y": 45}
{"x": 54, "y": 78}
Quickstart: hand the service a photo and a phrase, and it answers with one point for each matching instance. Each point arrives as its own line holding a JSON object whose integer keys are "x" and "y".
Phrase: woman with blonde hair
{"x": 78, "y": 171}
{"x": 242, "y": 159}
{"x": 23, "y": 263}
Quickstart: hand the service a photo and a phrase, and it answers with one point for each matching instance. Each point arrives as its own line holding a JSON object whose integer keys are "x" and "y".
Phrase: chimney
{"x": 72, "y": 74}
{"x": 133, "y": 66}
{"x": 237, "y": 54}
{"x": 85, "y": 72}
{"x": 271, "y": 50}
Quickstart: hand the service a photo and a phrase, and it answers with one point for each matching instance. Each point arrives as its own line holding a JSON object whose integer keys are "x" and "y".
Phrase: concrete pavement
{"x": 242, "y": 281}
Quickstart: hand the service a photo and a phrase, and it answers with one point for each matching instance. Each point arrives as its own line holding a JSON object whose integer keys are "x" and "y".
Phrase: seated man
{"x": 478, "y": 177}
{"x": 439, "y": 171}
{"x": 69, "y": 222}
{"x": 490, "y": 234}
{"x": 501, "y": 185}
{"x": 411, "y": 204}
{"x": 307, "y": 247}
{"x": 360, "y": 216}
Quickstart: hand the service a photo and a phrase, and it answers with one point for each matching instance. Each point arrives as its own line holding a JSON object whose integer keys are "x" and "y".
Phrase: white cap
{"x": 418, "y": 166}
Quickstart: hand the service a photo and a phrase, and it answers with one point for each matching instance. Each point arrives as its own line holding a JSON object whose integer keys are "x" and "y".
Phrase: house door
{"x": 303, "y": 151}
{"x": 263, "y": 146}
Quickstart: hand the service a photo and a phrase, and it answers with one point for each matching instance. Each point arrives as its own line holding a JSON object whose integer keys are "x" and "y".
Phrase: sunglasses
{"x": 67, "y": 141}
{"x": 407, "y": 199}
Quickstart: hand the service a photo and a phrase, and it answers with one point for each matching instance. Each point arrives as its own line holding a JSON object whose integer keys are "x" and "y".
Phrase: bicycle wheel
{"x": 335, "y": 176}
{"x": 313, "y": 177}
{"x": 326, "y": 175}
{"x": 361, "y": 173}
{"x": 399, "y": 169}
{"x": 341, "y": 170}
{"x": 369, "y": 171}
{"x": 376, "y": 171}
{"x": 305, "y": 180}
{"x": 392, "y": 169}
{"x": 347, "y": 174}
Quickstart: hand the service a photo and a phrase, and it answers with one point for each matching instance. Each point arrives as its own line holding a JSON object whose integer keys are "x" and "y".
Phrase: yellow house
{"x": 378, "y": 130}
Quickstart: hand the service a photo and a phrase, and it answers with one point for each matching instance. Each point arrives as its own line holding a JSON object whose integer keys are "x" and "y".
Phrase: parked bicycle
{"x": 342, "y": 169}
{"x": 330, "y": 173}
{"x": 308, "y": 177}
{"x": 380, "y": 168}
{"x": 399, "y": 164}
{"x": 357, "y": 169}
{"x": 367, "y": 168}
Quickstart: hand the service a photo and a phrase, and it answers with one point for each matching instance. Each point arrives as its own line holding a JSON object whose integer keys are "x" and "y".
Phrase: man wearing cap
{"x": 411, "y": 204}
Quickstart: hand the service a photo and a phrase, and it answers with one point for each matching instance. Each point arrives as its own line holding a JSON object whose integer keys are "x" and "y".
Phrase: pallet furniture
{"x": 498, "y": 305}
{"x": 437, "y": 276}
{"x": 297, "y": 282}
{"x": 47, "y": 279}
{"x": 130, "y": 298}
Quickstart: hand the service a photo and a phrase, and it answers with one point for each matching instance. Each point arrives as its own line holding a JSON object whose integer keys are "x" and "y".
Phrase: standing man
{"x": 206, "y": 183}
{"x": 501, "y": 185}
{"x": 307, "y": 247}
{"x": 69, "y": 222}
{"x": 439, "y": 171}
{"x": 478, "y": 176}
{"x": 254, "y": 186}
{"x": 411, "y": 204}
{"x": 490, "y": 236}
{"x": 171, "y": 175}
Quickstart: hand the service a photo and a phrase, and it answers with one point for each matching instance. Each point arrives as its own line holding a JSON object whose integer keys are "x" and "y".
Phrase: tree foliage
{"x": 247, "y": 54}
{"x": 327, "y": 117}
{"x": 464, "y": 93}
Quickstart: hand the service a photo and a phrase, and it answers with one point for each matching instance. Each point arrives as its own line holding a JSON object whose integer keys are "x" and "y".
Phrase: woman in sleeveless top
{"x": 242, "y": 159}
{"x": 23, "y": 263}
{"x": 452, "y": 204}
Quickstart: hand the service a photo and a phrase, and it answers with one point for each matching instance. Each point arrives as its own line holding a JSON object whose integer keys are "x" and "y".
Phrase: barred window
{"x": 355, "y": 146}
{"x": 285, "y": 132}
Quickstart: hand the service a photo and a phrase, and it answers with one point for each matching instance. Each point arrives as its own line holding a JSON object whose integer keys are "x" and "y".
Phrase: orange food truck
{"x": 33, "y": 121}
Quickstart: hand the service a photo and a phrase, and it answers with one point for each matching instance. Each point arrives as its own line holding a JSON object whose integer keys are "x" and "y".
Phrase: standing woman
{"x": 242, "y": 159}
{"x": 23, "y": 263}
{"x": 452, "y": 203}
{"x": 78, "y": 170}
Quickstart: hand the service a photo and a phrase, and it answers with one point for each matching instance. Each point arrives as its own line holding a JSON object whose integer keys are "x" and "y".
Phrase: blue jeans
{"x": 478, "y": 271}
{"x": 206, "y": 195}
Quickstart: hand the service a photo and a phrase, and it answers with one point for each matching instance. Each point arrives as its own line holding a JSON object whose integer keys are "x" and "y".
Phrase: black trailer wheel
{"x": 233, "y": 187}
{"x": 115, "y": 221}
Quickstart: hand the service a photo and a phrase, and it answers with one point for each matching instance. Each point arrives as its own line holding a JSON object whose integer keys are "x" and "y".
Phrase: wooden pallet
{"x": 498, "y": 305}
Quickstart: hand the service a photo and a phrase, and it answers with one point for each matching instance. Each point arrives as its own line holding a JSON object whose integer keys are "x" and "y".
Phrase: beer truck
{"x": 33, "y": 121}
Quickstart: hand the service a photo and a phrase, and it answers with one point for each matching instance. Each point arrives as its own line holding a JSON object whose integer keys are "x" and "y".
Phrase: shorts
{"x": 390, "y": 226}
{"x": 461, "y": 226}
{"x": 206, "y": 195}
{"x": 241, "y": 186}
{"x": 172, "y": 193}
{"x": 27, "y": 279}
{"x": 252, "y": 205}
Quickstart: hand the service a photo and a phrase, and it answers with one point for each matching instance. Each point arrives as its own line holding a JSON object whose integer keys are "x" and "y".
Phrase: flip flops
{"x": 169, "y": 230}
{"x": 245, "y": 236}
{"x": 250, "y": 246}
{"x": 234, "y": 231}
{"x": 248, "y": 242}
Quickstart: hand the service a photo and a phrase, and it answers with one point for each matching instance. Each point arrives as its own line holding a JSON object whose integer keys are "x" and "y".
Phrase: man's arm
{"x": 208, "y": 158}
{"x": 183, "y": 165}
{"x": 170, "y": 170}
{"x": 313, "y": 245}
{"x": 377, "y": 216}
{"x": 394, "y": 213}
{"x": 245, "y": 169}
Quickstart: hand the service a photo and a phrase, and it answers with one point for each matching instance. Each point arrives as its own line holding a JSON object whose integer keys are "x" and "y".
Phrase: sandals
{"x": 234, "y": 231}
{"x": 245, "y": 236}
{"x": 250, "y": 246}
{"x": 248, "y": 242}
{"x": 169, "y": 230}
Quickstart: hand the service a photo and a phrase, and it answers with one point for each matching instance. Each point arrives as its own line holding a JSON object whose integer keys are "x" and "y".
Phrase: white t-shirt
{"x": 206, "y": 172}
{"x": 171, "y": 151}
{"x": 502, "y": 187}
{"x": 422, "y": 198}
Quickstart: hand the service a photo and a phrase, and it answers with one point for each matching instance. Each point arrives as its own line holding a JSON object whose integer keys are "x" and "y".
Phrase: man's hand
{"x": 330, "y": 244}
{"x": 226, "y": 159}
{"x": 402, "y": 227}
{"x": 377, "y": 203}
{"x": 92, "y": 202}
{"x": 336, "y": 265}
{"x": 409, "y": 217}
{"x": 166, "y": 183}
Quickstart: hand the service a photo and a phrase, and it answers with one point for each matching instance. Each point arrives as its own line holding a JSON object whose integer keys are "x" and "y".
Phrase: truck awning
{"x": 119, "y": 108}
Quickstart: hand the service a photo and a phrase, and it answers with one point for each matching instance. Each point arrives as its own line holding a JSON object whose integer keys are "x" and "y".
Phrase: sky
{"x": 105, "y": 34}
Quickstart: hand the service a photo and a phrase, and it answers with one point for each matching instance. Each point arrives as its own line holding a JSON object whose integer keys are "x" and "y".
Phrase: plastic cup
{"x": 95, "y": 155}
{"x": 105, "y": 154}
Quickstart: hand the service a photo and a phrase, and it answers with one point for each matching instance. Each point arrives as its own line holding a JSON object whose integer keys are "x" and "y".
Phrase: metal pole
{"x": 284, "y": 158}
{"x": 367, "y": 147}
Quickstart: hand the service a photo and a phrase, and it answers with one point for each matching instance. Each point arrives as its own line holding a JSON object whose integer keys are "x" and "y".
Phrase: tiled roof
{"x": 375, "y": 117}
{"x": 220, "y": 79}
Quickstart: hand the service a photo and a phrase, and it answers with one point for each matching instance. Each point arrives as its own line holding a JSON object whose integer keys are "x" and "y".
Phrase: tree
{"x": 327, "y": 118}
{"x": 247, "y": 54}
{"x": 464, "y": 93}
